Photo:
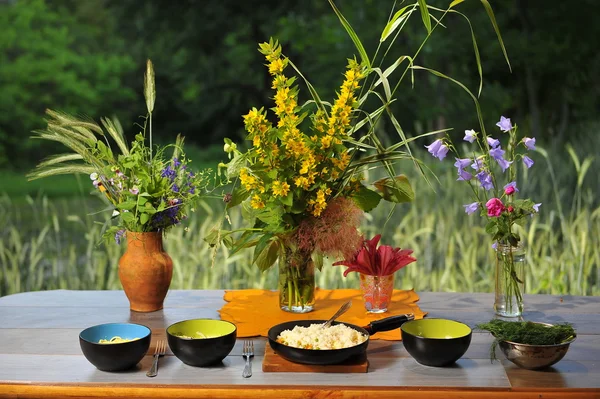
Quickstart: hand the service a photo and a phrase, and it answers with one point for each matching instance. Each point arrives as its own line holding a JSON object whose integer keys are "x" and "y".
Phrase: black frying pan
{"x": 330, "y": 356}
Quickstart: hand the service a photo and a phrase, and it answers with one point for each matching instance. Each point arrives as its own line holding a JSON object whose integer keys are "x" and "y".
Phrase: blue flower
{"x": 176, "y": 162}
{"x": 470, "y": 136}
{"x": 168, "y": 172}
{"x": 119, "y": 236}
{"x": 527, "y": 161}
{"x": 492, "y": 142}
{"x": 175, "y": 188}
{"x": 477, "y": 163}
{"x": 504, "y": 164}
{"x": 504, "y": 124}
{"x": 460, "y": 165}
{"x": 529, "y": 143}
{"x": 485, "y": 179}
{"x": 471, "y": 208}
{"x": 438, "y": 149}
{"x": 498, "y": 155}
{"x": 536, "y": 207}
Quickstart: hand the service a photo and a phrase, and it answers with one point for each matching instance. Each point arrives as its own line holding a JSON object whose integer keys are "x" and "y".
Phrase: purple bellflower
{"x": 471, "y": 208}
{"x": 504, "y": 124}
{"x": 485, "y": 179}
{"x": 470, "y": 136}
{"x": 527, "y": 161}
{"x": 460, "y": 165}
{"x": 438, "y": 149}
{"x": 492, "y": 142}
{"x": 529, "y": 143}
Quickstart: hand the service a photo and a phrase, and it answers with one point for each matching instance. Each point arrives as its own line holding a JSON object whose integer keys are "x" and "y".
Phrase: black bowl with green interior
{"x": 201, "y": 342}
{"x": 103, "y": 346}
{"x": 436, "y": 342}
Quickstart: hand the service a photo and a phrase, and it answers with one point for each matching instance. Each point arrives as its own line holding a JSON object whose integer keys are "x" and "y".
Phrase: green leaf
{"x": 144, "y": 217}
{"x": 127, "y": 205}
{"x": 455, "y": 3}
{"x": 127, "y": 217}
{"x": 271, "y": 216}
{"x": 317, "y": 258}
{"x": 238, "y": 196}
{"x": 366, "y": 199}
{"x": 357, "y": 43}
{"x": 425, "y": 15}
{"x": 245, "y": 241}
{"x": 490, "y": 12}
{"x": 491, "y": 228}
{"x": 235, "y": 165}
{"x": 288, "y": 200}
{"x": 396, "y": 189}
{"x": 261, "y": 252}
{"x": 393, "y": 24}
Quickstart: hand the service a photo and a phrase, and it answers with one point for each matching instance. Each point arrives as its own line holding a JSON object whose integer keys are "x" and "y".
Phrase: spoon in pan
{"x": 337, "y": 314}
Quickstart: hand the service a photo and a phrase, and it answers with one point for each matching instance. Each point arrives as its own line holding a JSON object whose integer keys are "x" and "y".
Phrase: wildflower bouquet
{"x": 148, "y": 191}
{"x": 297, "y": 183}
{"x": 484, "y": 169}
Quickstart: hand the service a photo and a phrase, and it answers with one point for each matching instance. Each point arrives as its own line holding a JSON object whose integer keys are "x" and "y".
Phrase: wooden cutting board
{"x": 272, "y": 362}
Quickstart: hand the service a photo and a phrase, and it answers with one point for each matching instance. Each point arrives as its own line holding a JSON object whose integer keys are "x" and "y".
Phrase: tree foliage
{"x": 86, "y": 57}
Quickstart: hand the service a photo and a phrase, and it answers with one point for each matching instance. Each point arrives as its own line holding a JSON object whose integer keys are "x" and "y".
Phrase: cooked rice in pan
{"x": 316, "y": 337}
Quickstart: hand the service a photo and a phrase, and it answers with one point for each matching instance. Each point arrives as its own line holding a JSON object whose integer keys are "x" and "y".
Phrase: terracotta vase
{"x": 145, "y": 271}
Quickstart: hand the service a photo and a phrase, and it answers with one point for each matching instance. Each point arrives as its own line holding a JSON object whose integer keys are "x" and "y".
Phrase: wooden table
{"x": 40, "y": 355}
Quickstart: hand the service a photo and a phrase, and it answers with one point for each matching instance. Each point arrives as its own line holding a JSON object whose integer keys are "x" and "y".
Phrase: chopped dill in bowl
{"x": 527, "y": 332}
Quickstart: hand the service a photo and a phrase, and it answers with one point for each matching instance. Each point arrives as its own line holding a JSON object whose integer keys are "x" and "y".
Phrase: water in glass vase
{"x": 510, "y": 280}
{"x": 296, "y": 282}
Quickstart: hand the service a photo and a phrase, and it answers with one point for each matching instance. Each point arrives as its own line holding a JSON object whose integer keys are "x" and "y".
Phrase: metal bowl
{"x": 534, "y": 357}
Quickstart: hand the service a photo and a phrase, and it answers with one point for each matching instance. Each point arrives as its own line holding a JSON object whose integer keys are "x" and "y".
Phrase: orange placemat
{"x": 254, "y": 312}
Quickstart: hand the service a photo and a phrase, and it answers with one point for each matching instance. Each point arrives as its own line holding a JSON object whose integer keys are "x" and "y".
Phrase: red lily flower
{"x": 374, "y": 261}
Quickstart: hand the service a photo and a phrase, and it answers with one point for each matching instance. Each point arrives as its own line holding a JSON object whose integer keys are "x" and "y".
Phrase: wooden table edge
{"x": 92, "y": 390}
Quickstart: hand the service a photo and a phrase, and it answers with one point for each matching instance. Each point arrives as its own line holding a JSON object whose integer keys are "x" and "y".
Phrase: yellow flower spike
{"x": 276, "y": 66}
{"x": 280, "y": 189}
{"x": 257, "y": 202}
{"x": 326, "y": 142}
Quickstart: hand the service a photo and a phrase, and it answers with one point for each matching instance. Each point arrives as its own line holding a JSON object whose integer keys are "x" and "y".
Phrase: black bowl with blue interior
{"x": 115, "y": 346}
{"x": 436, "y": 342}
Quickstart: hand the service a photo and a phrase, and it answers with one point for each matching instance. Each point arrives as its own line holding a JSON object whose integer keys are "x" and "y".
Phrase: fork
{"x": 248, "y": 353}
{"x": 161, "y": 347}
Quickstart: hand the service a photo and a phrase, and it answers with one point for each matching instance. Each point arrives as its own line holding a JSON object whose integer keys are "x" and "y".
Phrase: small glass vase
{"x": 377, "y": 292}
{"x": 296, "y": 281}
{"x": 510, "y": 280}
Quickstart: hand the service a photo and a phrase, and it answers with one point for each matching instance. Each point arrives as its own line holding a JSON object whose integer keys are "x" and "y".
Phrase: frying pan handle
{"x": 389, "y": 323}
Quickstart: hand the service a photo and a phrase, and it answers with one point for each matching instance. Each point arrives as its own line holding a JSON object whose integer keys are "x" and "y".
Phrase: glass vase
{"x": 377, "y": 292}
{"x": 510, "y": 280}
{"x": 296, "y": 281}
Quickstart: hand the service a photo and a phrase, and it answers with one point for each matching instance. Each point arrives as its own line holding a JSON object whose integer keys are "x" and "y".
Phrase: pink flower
{"x": 510, "y": 209}
{"x": 510, "y": 190}
{"x": 495, "y": 207}
{"x": 374, "y": 261}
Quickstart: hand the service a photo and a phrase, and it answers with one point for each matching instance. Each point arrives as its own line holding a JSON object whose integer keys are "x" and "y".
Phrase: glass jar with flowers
{"x": 377, "y": 267}
{"x": 483, "y": 169}
{"x": 148, "y": 191}
{"x": 300, "y": 182}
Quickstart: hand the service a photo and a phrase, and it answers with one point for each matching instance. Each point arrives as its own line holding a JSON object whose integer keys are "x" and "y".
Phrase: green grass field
{"x": 49, "y": 242}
